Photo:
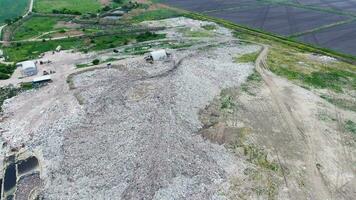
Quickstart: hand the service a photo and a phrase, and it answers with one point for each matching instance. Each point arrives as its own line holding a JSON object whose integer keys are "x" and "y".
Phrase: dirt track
{"x": 295, "y": 127}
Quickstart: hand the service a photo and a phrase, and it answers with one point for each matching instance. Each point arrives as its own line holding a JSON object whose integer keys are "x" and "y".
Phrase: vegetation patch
{"x": 6, "y": 71}
{"x": 157, "y": 14}
{"x": 251, "y": 82}
{"x": 35, "y": 26}
{"x": 209, "y": 27}
{"x": 342, "y": 102}
{"x": 106, "y": 42}
{"x": 351, "y": 127}
{"x": 31, "y": 50}
{"x": 336, "y": 76}
{"x": 196, "y": 33}
{"x": 246, "y": 58}
{"x": 227, "y": 102}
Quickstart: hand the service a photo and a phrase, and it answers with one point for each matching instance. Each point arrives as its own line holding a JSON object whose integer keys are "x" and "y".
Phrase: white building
{"x": 29, "y": 68}
{"x": 158, "y": 55}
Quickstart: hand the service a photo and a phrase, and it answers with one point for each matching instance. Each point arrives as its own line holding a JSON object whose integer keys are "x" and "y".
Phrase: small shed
{"x": 59, "y": 48}
{"x": 29, "y": 68}
{"x": 158, "y": 55}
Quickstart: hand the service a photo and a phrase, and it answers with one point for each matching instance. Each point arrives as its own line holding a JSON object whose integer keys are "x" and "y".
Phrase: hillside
{"x": 145, "y": 101}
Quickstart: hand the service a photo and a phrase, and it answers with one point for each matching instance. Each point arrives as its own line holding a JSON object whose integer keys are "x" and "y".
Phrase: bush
{"x": 96, "y": 62}
{"x": 130, "y": 5}
{"x": 4, "y": 76}
{"x": 106, "y": 8}
{"x": 146, "y": 36}
{"x": 6, "y": 71}
{"x": 66, "y": 11}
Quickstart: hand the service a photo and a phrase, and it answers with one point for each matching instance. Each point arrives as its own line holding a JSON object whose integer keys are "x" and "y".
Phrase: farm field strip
{"x": 47, "y": 6}
{"x": 287, "y": 18}
{"x": 283, "y": 20}
{"x": 341, "y": 38}
{"x": 10, "y": 9}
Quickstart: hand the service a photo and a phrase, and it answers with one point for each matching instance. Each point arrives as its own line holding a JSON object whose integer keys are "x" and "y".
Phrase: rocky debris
{"x": 130, "y": 131}
{"x": 27, "y": 185}
{"x": 138, "y": 137}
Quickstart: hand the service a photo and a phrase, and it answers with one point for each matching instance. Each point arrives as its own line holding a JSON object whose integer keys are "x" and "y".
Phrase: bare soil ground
{"x": 190, "y": 127}
{"x": 286, "y": 132}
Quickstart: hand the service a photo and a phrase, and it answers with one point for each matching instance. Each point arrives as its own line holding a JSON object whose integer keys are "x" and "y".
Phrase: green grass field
{"x": 31, "y": 50}
{"x": 35, "y": 26}
{"x": 156, "y": 15}
{"x": 10, "y": 9}
{"x": 83, "y": 6}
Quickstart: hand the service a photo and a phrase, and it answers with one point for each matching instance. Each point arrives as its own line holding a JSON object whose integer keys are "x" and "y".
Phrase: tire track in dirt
{"x": 318, "y": 184}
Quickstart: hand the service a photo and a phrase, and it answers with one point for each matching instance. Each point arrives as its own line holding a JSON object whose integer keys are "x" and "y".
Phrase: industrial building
{"x": 29, "y": 68}
{"x": 157, "y": 55}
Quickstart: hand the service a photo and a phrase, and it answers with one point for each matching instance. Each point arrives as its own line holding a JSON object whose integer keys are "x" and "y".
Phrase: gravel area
{"x": 130, "y": 131}
{"x": 139, "y": 136}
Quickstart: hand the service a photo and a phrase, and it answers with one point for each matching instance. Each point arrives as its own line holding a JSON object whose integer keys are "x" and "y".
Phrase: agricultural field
{"x": 47, "y": 6}
{"x": 341, "y": 38}
{"x": 10, "y": 9}
{"x": 283, "y": 20}
{"x": 302, "y": 20}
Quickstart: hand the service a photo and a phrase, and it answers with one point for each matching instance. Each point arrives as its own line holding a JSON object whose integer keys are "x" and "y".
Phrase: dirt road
{"x": 295, "y": 126}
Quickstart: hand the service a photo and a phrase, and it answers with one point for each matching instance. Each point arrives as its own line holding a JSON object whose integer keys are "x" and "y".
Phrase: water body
{"x": 10, "y": 177}
{"x": 27, "y": 165}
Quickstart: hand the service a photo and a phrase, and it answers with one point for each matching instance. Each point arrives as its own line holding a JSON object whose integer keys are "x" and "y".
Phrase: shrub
{"x": 4, "y": 76}
{"x": 96, "y": 62}
{"x": 66, "y": 11}
{"x": 106, "y": 8}
{"x": 6, "y": 71}
{"x": 146, "y": 36}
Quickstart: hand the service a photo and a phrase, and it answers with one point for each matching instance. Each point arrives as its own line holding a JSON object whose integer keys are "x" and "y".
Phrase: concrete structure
{"x": 29, "y": 68}
{"x": 42, "y": 79}
{"x": 158, "y": 55}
